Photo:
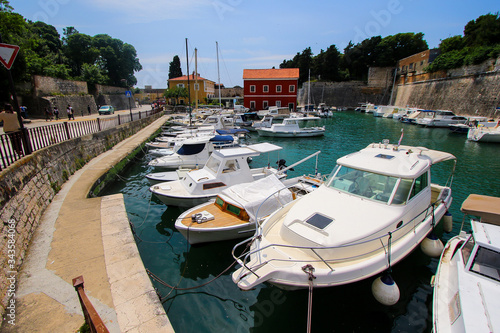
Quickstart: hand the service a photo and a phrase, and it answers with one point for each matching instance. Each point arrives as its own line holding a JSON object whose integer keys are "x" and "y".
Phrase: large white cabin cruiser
{"x": 290, "y": 129}
{"x": 467, "y": 281}
{"x": 376, "y": 206}
{"x": 224, "y": 168}
{"x": 439, "y": 118}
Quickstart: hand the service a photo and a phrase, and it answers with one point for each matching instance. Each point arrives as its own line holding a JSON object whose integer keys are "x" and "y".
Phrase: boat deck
{"x": 222, "y": 219}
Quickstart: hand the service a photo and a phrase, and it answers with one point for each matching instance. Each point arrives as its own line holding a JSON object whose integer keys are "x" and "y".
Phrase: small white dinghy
{"x": 467, "y": 281}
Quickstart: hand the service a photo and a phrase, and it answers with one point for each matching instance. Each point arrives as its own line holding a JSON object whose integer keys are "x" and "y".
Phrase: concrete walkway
{"x": 90, "y": 237}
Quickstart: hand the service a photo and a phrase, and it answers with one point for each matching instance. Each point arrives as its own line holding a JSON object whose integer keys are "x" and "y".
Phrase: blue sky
{"x": 251, "y": 34}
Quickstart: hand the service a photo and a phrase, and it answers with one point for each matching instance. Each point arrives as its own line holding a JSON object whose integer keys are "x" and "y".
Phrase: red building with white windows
{"x": 270, "y": 87}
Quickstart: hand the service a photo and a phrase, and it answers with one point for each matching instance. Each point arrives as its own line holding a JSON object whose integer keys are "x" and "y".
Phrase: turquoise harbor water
{"x": 221, "y": 307}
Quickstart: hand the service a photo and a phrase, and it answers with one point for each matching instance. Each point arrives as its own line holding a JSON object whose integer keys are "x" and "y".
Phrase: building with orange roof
{"x": 270, "y": 87}
{"x": 199, "y": 88}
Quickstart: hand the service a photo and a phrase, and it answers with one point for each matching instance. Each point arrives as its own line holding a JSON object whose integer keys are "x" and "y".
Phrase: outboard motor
{"x": 282, "y": 164}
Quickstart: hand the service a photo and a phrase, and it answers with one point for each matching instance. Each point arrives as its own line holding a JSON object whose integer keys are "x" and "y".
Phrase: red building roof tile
{"x": 281, "y": 73}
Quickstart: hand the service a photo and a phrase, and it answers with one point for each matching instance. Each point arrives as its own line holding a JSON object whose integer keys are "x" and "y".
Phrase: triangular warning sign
{"x": 8, "y": 54}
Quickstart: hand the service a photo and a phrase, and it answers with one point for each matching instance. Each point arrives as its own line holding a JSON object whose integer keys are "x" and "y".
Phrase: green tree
{"x": 175, "y": 69}
{"x": 78, "y": 50}
{"x": 5, "y": 6}
{"x": 302, "y": 61}
{"x": 176, "y": 93}
{"x": 451, "y": 43}
{"x": 485, "y": 30}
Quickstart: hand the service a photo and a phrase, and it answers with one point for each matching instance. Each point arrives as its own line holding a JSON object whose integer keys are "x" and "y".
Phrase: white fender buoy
{"x": 447, "y": 222}
{"x": 432, "y": 245}
{"x": 385, "y": 290}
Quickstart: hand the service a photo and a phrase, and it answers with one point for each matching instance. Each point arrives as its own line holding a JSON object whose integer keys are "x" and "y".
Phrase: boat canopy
{"x": 435, "y": 156}
{"x": 222, "y": 138}
{"x": 251, "y": 196}
{"x": 264, "y": 147}
{"x": 483, "y": 206}
{"x": 232, "y": 131}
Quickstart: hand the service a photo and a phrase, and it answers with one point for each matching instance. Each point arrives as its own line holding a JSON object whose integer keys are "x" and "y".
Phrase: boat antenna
{"x": 189, "y": 87}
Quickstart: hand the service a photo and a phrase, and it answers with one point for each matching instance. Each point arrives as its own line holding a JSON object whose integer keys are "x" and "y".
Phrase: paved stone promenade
{"x": 89, "y": 237}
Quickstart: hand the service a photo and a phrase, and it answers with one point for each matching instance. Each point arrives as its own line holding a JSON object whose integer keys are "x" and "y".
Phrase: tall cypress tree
{"x": 175, "y": 68}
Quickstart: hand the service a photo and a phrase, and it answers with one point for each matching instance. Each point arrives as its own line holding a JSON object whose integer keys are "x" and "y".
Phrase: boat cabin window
{"x": 213, "y": 164}
{"x": 230, "y": 166}
{"x": 362, "y": 183}
{"x": 487, "y": 263}
{"x": 467, "y": 249}
{"x": 420, "y": 183}
{"x": 191, "y": 149}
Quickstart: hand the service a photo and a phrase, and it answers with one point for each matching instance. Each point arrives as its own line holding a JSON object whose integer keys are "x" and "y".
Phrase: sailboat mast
{"x": 189, "y": 88}
{"x": 309, "y": 91}
{"x": 218, "y": 72}
{"x": 196, "y": 78}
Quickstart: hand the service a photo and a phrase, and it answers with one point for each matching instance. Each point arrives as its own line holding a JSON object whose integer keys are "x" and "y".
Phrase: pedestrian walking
{"x": 48, "y": 114}
{"x": 69, "y": 111}
{"x": 81, "y": 111}
{"x": 24, "y": 111}
{"x": 56, "y": 112}
{"x": 11, "y": 127}
{"x": 88, "y": 109}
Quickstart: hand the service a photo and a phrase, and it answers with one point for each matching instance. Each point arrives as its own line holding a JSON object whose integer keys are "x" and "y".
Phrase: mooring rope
{"x": 309, "y": 270}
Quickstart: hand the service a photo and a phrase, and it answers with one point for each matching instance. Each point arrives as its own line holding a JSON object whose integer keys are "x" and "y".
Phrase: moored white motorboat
{"x": 466, "y": 294}
{"x": 193, "y": 153}
{"x": 166, "y": 176}
{"x": 290, "y": 129}
{"x": 439, "y": 118}
{"x": 377, "y": 205}
{"x": 225, "y": 167}
{"x": 484, "y": 133}
{"x": 233, "y": 213}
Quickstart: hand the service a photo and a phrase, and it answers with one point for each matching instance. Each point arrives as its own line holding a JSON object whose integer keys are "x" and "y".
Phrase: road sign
{"x": 8, "y": 54}
{"x": 128, "y": 93}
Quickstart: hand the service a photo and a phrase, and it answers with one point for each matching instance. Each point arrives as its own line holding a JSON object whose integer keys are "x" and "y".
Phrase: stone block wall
{"x": 28, "y": 186}
{"x": 380, "y": 76}
{"x": 343, "y": 94}
{"x": 475, "y": 94}
{"x": 44, "y": 85}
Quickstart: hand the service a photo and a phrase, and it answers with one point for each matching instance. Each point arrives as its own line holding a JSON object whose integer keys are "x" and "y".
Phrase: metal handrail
{"x": 44, "y": 136}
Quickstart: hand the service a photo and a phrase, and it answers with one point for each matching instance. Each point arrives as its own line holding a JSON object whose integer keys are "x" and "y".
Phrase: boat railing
{"x": 392, "y": 236}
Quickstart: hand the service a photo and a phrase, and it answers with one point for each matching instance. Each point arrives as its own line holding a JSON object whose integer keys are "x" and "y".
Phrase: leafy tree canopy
{"x": 99, "y": 59}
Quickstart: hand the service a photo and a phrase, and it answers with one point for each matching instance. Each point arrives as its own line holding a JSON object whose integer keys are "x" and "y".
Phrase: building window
{"x": 252, "y": 105}
{"x": 196, "y": 86}
{"x": 180, "y": 85}
{"x": 265, "y": 88}
{"x": 291, "y": 88}
{"x": 278, "y": 88}
{"x": 252, "y": 89}
{"x": 265, "y": 104}
{"x": 278, "y": 104}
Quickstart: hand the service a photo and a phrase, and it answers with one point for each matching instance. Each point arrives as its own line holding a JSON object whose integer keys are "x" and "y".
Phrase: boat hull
{"x": 272, "y": 263}
{"x": 290, "y": 134}
{"x": 445, "y": 302}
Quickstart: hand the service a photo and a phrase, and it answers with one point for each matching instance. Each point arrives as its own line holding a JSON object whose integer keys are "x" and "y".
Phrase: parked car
{"x": 106, "y": 109}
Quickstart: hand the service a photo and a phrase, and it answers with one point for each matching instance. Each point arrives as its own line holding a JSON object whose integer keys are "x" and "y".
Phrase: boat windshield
{"x": 191, "y": 149}
{"x": 369, "y": 185}
{"x": 213, "y": 164}
{"x": 487, "y": 263}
